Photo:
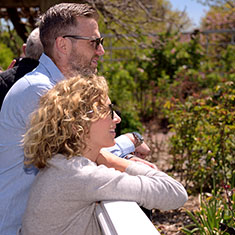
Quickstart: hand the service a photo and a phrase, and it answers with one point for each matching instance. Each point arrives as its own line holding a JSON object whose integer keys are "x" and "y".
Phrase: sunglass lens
{"x": 111, "y": 111}
{"x": 112, "y": 114}
{"x": 99, "y": 41}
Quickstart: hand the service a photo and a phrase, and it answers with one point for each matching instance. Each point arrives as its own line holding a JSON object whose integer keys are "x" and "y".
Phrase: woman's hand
{"x": 137, "y": 159}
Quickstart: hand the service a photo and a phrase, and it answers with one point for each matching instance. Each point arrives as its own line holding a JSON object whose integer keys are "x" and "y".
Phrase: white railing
{"x": 123, "y": 218}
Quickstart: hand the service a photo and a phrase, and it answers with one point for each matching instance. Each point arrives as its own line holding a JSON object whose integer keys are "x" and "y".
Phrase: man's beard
{"x": 77, "y": 66}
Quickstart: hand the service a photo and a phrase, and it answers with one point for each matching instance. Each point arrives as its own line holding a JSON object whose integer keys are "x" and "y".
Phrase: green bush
{"x": 122, "y": 90}
{"x": 170, "y": 53}
{"x": 168, "y": 57}
{"x": 6, "y": 56}
{"x": 203, "y": 146}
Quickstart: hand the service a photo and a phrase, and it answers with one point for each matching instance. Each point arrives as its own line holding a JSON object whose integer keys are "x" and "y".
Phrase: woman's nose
{"x": 116, "y": 118}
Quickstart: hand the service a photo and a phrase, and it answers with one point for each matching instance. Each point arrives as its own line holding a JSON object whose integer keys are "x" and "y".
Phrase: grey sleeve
{"x": 167, "y": 193}
{"x": 146, "y": 186}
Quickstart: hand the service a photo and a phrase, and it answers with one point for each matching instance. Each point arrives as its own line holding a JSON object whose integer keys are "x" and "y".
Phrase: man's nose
{"x": 100, "y": 50}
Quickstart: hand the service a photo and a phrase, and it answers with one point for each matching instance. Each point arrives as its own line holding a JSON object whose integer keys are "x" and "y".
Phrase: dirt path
{"x": 171, "y": 222}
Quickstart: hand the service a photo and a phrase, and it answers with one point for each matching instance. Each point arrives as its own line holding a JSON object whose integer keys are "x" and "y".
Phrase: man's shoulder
{"x": 30, "y": 86}
{"x": 37, "y": 77}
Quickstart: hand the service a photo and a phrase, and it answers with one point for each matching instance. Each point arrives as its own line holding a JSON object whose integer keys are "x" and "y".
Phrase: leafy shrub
{"x": 203, "y": 145}
{"x": 122, "y": 90}
{"x": 170, "y": 53}
{"x": 6, "y": 56}
{"x": 169, "y": 56}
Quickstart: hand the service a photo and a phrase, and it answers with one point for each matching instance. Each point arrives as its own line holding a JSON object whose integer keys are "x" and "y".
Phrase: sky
{"x": 194, "y": 9}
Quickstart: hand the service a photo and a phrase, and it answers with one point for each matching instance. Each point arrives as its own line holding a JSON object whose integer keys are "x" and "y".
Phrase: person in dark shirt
{"x": 32, "y": 50}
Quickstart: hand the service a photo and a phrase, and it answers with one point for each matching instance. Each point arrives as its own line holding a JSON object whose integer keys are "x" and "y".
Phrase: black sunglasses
{"x": 111, "y": 107}
{"x": 98, "y": 41}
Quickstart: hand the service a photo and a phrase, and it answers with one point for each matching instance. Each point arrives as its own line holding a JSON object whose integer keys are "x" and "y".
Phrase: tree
{"x": 220, "y": 17}
{"x": 216, "y": 2}
{"x": 119, "y": 17}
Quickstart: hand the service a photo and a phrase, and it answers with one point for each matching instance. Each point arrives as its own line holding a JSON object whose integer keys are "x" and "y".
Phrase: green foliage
{"x": 176, "y": 67}
{"x": 172, "y": 60}
{"x": 171, "y": 53}
{"x": 228, "y": 59}
{"x": 216, "y": 214}
{"x": 6, "y": 56}
{"x": 122, "y": 86}
{"x": 10, "y": 46}
{"x": 203, "y": 145}
{"x": 153, "y": 71}
{"x": 12, "y": 41}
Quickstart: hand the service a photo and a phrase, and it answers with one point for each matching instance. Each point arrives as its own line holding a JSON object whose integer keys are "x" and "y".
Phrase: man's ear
{"x": 62, "y": 45}
{"x": 24, "y": 48}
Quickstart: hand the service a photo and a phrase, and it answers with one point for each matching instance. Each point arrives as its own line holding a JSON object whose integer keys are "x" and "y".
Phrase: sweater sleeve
{"x": 168, "y": 193}
{"x": 146, "y": 186}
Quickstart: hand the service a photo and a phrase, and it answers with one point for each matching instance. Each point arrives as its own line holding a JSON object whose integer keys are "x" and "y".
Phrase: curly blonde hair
{"x": 62, "y": 122}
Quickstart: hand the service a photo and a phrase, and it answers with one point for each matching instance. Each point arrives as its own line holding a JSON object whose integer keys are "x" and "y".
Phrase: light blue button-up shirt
{"x": 21, "y": 100}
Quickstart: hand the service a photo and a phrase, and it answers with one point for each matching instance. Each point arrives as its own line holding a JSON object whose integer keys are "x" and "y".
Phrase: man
{"x": 72, "y": 44}
{"x": 32, "y": 50}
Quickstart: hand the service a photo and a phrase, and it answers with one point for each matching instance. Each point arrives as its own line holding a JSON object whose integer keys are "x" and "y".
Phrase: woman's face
{"x": 102, "y": 131}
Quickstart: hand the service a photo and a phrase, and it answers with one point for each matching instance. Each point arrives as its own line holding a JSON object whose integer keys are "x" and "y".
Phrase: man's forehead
{"x": 84, "y": 22}
{"x": 87, "y": 27}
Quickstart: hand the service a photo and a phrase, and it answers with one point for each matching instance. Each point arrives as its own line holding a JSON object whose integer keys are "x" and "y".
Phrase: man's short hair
{"x": 61, "y": 19}
{"x": 34, "y": 47}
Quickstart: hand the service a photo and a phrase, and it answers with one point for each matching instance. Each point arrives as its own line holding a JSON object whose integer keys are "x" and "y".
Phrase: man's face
{"x": 85, "y": 54}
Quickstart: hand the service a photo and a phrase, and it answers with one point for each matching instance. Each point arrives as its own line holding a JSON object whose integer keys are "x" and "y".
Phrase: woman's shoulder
{"x": 75, "y": 163}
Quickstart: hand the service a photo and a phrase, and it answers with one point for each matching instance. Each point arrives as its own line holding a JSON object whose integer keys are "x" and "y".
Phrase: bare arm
{"x": 112, "y": 161}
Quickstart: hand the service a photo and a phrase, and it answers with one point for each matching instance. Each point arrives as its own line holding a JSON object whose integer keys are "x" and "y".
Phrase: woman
{"x": 74, "y": 121}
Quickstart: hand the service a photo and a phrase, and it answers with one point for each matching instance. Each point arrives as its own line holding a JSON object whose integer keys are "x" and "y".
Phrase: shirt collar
{"x": 51, "y": 68}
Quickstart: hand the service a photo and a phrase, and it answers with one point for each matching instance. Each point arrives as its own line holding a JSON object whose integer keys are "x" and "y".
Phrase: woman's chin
{"x": 111, "y": 144}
